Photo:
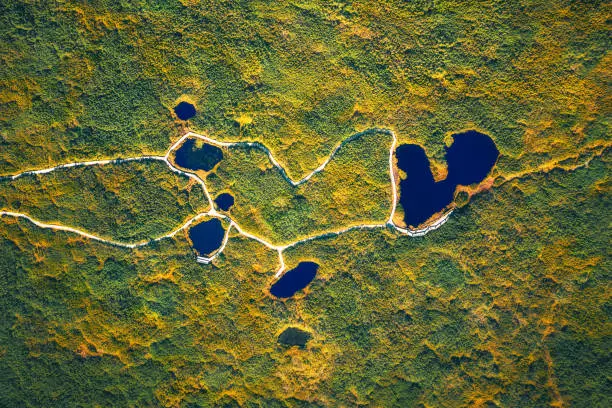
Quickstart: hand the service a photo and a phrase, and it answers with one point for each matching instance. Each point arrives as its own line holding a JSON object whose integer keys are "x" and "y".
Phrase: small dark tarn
{"x": 295, "y": 280}
{"x": 292, "y": 336}
{"x": 207, "y": 236}
{"x": 470, "y": 158}
{"x": 224, "y": 201}
{"x": 193, "y": 158}
{"x": 185, "y": 110}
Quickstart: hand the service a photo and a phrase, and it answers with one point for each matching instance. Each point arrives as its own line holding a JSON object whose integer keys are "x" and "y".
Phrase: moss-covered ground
{"x": 506, "y": 305}
{"x": 482, "y": 311}
{"x": 354, "y": 188}
{"x": 128, "y": 202}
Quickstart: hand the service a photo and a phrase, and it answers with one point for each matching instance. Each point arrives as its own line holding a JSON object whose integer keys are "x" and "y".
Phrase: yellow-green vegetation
{"x": 487, "y": 311}
{"x": 484, "y": 311}
{"x": 506, "y": 305}
{"x": 85, "y": 80}
{"x": 354, "y": 188}
{"x": 127, "y": 202}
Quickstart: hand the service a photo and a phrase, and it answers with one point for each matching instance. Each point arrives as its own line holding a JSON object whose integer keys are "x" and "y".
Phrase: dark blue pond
{"x": 224, "y": 201}
{"x": 207, "y": 236}
{"x": 295, "y": 280}
{"x": 470, "y": 159}
{"x": 292, "y": 336}
{"x": 198, "y": 158}
{"x": 185, "y": 110}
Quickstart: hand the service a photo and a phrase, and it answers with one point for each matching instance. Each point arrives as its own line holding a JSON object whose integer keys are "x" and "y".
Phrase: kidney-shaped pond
{"x": 470, "y": 159}
{"x": 295, "y": 280}
{"x": 207, "y": 236}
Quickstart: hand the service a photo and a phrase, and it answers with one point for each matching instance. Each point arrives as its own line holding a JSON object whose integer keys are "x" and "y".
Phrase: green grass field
{"x": 506, "y": 305}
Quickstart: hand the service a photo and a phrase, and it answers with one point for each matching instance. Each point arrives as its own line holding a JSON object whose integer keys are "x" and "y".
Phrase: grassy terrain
{"x": 354, "y": 188}
{"x": 128, "y": 202}
{"x": 506, "y": 305}
{"x": 481, "y": 312}
{"x": 300, "y": 76}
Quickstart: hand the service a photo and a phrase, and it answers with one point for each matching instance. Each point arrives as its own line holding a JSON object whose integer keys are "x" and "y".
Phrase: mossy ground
{"x": 127, "y": 202}
{"x": 506, "y": 305}
{"x": 354, "y": 188}
{"x": 483, "y": 310}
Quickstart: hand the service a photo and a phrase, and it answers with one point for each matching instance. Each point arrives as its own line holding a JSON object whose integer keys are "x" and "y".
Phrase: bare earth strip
{"x": 214, "y": 213}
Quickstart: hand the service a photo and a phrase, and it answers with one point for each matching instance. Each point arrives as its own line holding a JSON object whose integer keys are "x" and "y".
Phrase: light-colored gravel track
{"x": 214, "y": 213}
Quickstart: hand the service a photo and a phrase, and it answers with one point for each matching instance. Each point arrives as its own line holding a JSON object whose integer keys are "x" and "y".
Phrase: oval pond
{"x": 185, "y": 111}
{"x": 295, "y": 280}
{"x": 292, "y": 336}
{"x": 224, "y": 201}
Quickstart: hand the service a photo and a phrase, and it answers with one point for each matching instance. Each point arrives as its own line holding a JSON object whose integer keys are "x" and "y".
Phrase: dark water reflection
{"x": 185, "y": 111}
{"x": 470, "y": 159}
{"x": 207, "y": 236}
{"x": 224, "y": 201}
{"x": 295, "y": 280}
{"x": 191, "y": 157}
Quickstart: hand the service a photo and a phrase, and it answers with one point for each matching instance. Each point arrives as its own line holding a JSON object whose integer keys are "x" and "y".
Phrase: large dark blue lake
{"x": 295, "y": 280}
{"x": 470, "y": 159}
{"x": 192, "y": 157}
{"x": 185, "y": 110}
{"x": 207, "y": 236}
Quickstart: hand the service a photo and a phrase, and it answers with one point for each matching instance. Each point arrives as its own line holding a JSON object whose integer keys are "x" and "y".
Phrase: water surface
{"x": 207, "y": 236}
{"x": 224, "y": 201}
{"x": 469, "y": 159}
{"x": 185, "y": 110}
{"x": 191, "y": 157}
{"x": 292, "y": 336}
{"x": 295, "y": 280}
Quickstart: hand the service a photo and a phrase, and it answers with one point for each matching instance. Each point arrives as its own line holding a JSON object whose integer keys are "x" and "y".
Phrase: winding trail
{"x": 214, "y": 213}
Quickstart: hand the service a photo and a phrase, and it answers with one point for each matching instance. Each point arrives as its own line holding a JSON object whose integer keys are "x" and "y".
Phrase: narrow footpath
{"x": 214, "y": 213}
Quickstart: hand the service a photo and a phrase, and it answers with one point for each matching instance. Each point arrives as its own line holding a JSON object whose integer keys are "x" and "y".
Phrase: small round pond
{"x": 295, "y": 280}
{"x": 224, "y": 201}
{"x": 292, "y": 336}
{"x": 469, "y": 159}
{"x": 185, "y": 111}
{"x": 207, "y": 236}
{"x": 192, "y": 157}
